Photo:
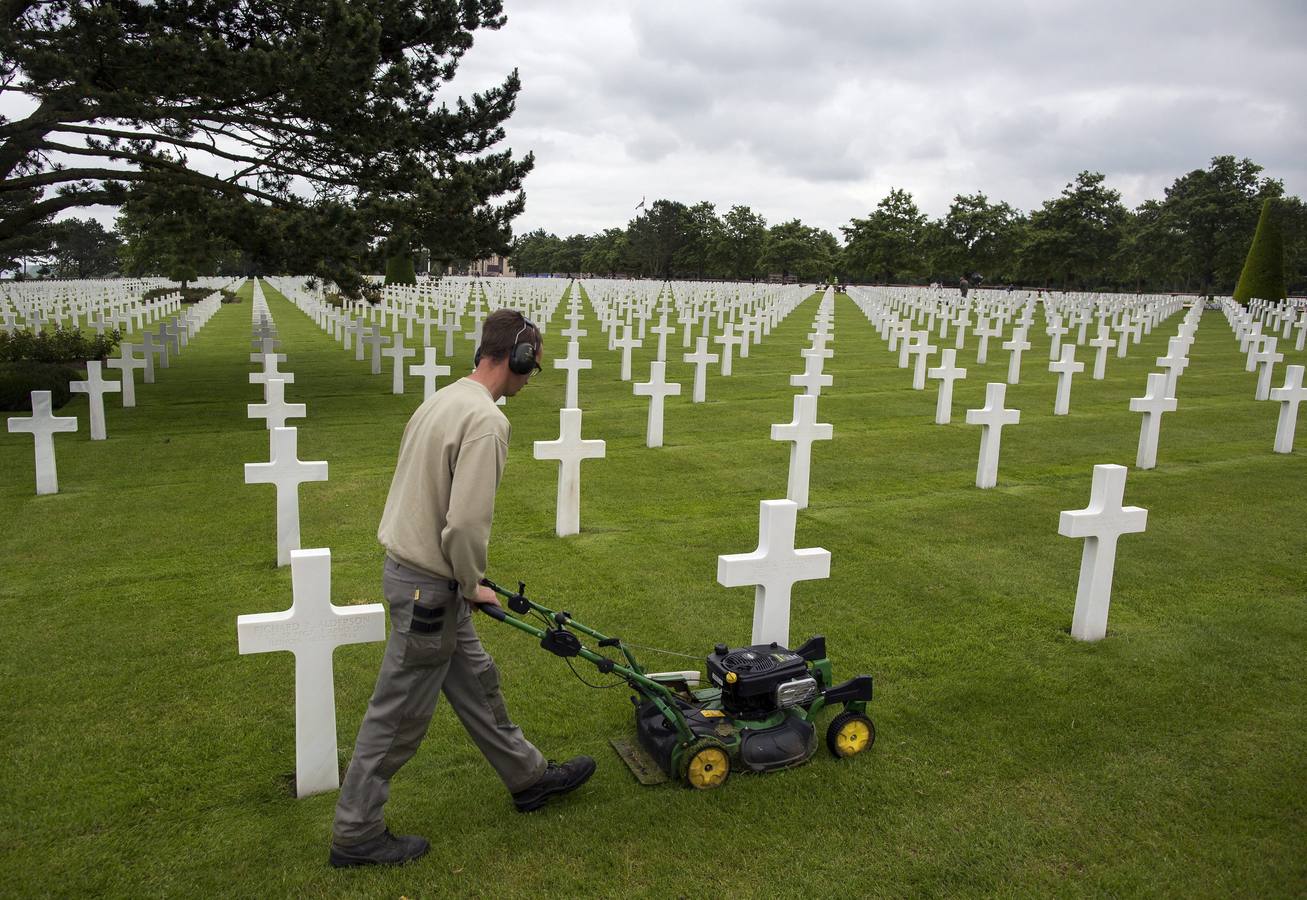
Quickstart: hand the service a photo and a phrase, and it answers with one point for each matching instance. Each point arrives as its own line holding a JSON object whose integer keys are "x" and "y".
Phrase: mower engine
{"x": 760, "y": 680}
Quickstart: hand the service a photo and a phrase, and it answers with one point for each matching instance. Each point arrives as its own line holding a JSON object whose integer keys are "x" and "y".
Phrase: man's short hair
{"x": 502, "y": 329}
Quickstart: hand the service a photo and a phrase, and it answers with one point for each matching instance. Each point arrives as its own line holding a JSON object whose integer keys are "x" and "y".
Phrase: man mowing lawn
{"x": 436, "y": 528}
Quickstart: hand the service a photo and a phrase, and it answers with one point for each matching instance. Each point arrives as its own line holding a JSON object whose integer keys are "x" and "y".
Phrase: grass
{"x": 143, "y": 757}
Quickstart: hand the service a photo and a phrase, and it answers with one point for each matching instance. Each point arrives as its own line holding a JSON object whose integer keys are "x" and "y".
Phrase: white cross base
{"x": 774, "y": 568}
{"x": 312, "y": 629}
{"x": 1100, "y": 524}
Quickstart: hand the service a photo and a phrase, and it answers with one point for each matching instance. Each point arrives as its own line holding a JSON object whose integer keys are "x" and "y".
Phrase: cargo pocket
{"x": 426, "y": 640}
{"x": 489, "y": 678}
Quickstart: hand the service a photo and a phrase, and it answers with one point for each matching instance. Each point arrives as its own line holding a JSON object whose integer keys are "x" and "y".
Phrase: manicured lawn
{"x": 143, "y": 756}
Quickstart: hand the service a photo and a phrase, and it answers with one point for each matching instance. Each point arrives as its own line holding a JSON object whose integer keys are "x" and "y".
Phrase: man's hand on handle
{"x": 485, "y": 597}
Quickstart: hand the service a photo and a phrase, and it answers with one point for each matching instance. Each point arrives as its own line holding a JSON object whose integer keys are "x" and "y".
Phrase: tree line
{"x": 1193, "y": 239}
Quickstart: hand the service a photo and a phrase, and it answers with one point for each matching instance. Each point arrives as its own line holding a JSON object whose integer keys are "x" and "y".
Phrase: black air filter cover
{"x": 757, "y": 670}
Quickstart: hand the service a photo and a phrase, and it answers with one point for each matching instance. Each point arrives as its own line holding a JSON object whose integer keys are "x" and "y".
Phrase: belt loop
{"x": 453, "y": 584}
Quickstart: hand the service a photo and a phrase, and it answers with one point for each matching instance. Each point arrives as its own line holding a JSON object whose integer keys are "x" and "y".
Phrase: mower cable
{"x": 602, "y": 687}
{"x": 659, "y": 650}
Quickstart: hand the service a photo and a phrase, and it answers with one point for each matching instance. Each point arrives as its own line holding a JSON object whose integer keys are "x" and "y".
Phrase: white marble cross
{"x": 1101, "y": 345}
{"x": 95, "y": 387}
{"x": 801, "y": 431}
{"x": 1065, "y": 368}
{"x": 812, "y": 380}
{"x": 1017, "y": 345}
{"x": 398, "y": 353}
{"x": 569, "y": 450}
{"x": 270, "y": 370}
{"x": 921, "y": 348}
{"x": 573, "y": 364}
{"x": 375, "y": 341}
{"x": 127, "y": 363}
{"x": 1175, "y": 362}
{"x": 428, "y": 371}
{"x": 946, "y": 373}
{"x": 274, "y": 409}
{"x": 701, "y": 358}
{"x": 1288, "y": 396}
{"x": 1265, "y": 359}
{"x": 983, "y": 332}
{"x": 656, "y": 389}
{"x": 43, "y": 425}
{"x": 312, "y": 629}
{"x": 287, "y": 472}
{"x": 774, "y": 568}
{"x": 626, "y": 344}
{"x": 1154, "y": 402}
{"x": 728, "y": 339}
{"x": 992, "y": 417}
{"x": 450, "y": 328}
{"x": 662, "y": 329}
{"x": 149, "y": 348}
{"x": 357, "y": 331}
{"x": 1100, "y": 524}
{"x": 1056, "y": 331}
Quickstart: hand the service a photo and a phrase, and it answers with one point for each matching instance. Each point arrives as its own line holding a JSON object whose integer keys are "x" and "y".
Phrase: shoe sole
{"x": 350, "y": 863}
{"x": 534, "y": 804}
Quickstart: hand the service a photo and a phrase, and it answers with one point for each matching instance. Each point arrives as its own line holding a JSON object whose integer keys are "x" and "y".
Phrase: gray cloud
{"x": 815, "y": 110}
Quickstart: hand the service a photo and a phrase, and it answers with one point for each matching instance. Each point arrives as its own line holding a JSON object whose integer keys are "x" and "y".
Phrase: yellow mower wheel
{"x": 849, "y": 734}
{"x": 706, "y": 764}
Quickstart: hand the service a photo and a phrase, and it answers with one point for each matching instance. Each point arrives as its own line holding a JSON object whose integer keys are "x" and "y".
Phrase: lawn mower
{"x": 756, "y": 715}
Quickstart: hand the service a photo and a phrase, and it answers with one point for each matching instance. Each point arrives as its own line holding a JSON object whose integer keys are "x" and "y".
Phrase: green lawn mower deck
{"x": 757, "y": 715}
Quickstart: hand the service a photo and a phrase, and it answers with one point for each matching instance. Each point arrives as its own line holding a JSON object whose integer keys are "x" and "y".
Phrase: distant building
{"x": 493, "y": 266}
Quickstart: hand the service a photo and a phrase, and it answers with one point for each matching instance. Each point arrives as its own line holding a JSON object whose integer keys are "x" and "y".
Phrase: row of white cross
{"x": 43, "y": 424}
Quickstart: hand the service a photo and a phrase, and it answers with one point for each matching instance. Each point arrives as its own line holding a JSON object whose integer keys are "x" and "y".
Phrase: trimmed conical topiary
{"x": 1263, "y": 271}
{"x": 399, "y": 270}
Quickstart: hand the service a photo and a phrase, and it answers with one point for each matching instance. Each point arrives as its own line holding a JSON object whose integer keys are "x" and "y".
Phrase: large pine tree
{"x": 295, "y": 102}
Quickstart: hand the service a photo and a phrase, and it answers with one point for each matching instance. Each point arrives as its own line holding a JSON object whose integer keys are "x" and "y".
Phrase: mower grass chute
{"x": 757, "y": 713}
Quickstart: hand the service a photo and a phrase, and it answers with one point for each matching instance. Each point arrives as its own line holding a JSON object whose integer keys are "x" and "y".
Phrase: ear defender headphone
{"x": 522, "y": 358}
{"x": 522, "y": 361}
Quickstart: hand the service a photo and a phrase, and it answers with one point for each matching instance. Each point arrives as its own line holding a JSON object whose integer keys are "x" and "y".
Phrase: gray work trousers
{"x": 433, "y": 646}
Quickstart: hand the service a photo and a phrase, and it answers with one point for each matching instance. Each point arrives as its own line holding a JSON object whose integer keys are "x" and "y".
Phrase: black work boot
{"x": 383, "y": 850}
{"x": 558, "y": 779}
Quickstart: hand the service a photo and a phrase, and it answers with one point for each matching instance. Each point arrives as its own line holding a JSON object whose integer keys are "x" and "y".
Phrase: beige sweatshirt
{"x": 442, "y": 499}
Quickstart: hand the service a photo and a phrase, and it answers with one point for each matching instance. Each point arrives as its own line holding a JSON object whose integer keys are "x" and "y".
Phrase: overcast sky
{"x": 814, "y": 109}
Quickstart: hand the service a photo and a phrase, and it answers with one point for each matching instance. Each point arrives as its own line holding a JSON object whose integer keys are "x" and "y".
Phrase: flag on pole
{"x": 640, "y": 205}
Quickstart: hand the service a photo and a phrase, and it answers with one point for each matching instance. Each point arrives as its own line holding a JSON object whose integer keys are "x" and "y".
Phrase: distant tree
{"x": 84, "y": 249}
{"x": 1072, "y": 239}
{"x": 569, "y": 254}
{"x": 533, "y": 253}
{"x": 807, "y": 253}
{"x": 697, "y": 256}
{"x": 1148, "y": 255}
{"x": 978, "y": 236}
{"x": 400, "y": 270}
{"x": 1293, "y": 225}
{"x": 740, "y": 243}
{"x": 888, "y": 244}
{"x": 1262, "y": 277}
{"x": 1213, "y": 211}
{"x": 606, "y": 253}
{"x": 657, "y": 235}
